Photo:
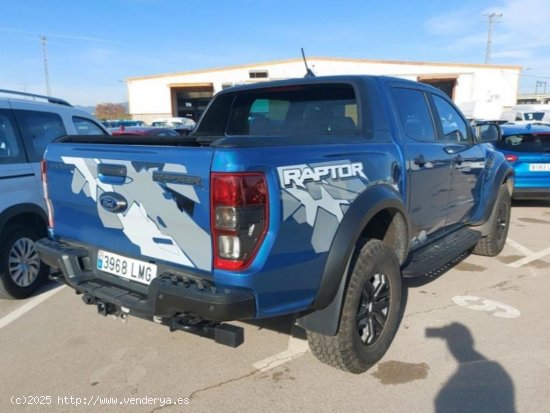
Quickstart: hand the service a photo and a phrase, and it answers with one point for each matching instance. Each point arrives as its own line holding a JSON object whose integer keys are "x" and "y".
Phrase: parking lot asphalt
{"x": 484, "y": 322}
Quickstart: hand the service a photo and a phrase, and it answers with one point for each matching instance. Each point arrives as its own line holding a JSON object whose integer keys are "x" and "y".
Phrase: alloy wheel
{"x": 373, "y": 308}
{"x": 23, "y": 262}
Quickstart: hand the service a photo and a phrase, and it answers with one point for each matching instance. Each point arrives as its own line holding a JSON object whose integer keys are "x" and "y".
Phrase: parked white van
{"x": 523, "y": 114}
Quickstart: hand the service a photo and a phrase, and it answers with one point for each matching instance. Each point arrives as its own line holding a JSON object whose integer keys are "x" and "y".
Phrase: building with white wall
{"x": 479, "y": 90}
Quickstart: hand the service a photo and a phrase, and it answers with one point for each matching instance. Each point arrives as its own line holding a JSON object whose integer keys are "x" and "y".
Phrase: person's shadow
{"x": 479, "y": 385}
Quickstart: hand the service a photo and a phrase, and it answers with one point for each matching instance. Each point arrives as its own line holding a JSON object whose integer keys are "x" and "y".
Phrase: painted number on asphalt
{"x": 493, "y": 307}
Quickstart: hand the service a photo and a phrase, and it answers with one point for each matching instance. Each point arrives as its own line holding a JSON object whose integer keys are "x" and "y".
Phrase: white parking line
{"x": 533, "y": 257}
{"x": 517, "y": 246}
{"x": 296, "y": 348}
{"x": 28, "y": 306}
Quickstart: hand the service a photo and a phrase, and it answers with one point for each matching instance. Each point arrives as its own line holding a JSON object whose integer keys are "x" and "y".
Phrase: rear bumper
{"x": 531, "y": 193}
{"x": 170, "y": 294}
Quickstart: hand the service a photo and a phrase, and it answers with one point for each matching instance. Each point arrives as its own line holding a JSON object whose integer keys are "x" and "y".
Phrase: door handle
{"x": 111, "y": 174}
{"x": 420, "y": 160}
{"x": 111, "y": 170}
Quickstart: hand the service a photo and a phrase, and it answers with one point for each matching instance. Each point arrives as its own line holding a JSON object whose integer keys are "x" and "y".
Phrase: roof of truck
{"x": 315, "y": 80}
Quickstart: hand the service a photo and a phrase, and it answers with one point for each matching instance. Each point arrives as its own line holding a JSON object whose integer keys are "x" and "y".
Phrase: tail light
{"x": 43, "y": 173}
{"x": 511, "y": 157}
{"x": 239, "y": 218}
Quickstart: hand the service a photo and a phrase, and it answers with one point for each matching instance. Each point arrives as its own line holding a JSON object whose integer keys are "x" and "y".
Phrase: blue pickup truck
{"x": 311, "y": 197}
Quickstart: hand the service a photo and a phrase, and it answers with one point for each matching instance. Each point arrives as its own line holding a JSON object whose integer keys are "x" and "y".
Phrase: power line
{"x": 61, "y": 36}
{"x": 44, "y": 41}
{"x": 492, "y": 18}
{"x": 535, "y": 77}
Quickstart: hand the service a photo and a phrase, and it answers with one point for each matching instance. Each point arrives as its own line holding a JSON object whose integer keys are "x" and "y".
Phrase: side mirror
{"x": 486, "y": 132}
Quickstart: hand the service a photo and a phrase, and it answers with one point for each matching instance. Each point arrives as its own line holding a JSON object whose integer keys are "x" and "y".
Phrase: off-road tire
{"x": 492, "y": 244}
{"x": 8, "y": 287}
{"x": 346, "y": 350}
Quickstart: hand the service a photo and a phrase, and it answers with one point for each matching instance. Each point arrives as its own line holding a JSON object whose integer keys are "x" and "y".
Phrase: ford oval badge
{"x": 113, "y": 202}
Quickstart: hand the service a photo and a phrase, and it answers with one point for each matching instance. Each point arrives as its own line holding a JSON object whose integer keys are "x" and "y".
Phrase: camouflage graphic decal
{"x": 319, "y": 195}
{"x": 155, "y": 217}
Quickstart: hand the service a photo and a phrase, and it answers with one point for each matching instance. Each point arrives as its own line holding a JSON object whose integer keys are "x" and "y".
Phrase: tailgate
{"x": 137, "y": 201}
{"x": 533, "y": 165}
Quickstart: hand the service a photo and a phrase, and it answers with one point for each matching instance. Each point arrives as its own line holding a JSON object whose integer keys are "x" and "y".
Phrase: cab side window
{"x": 38, "y": 129}
{"x": 11, "y": 150}
{"x": 414, "y": 114}
{"x": 453, "y": 126}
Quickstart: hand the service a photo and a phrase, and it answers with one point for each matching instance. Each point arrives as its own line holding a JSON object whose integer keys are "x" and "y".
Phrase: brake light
{"x": 511, "y": 157}
{"x": 44, "y": 175}
{"x": 239, "y": 218}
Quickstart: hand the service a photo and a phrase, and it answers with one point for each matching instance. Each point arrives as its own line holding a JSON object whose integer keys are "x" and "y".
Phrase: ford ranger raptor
{"x": 311, "y": 197}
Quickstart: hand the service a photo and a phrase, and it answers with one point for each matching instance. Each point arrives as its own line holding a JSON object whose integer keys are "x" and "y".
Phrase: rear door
{"x": 428, "y": 165}
{"x": 18, "y": 183}
{"x": 38, "y": 124}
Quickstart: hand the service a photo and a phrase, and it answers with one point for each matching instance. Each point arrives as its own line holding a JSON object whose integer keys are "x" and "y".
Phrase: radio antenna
{"x": 309, "y": 72}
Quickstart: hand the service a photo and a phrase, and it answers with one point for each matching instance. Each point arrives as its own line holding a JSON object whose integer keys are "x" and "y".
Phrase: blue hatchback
{"x": 527, "y": 149}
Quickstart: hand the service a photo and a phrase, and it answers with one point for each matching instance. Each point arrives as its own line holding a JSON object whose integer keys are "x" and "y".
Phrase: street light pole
{"x": 44, "y": 41}
{"x": 492, "y": 18}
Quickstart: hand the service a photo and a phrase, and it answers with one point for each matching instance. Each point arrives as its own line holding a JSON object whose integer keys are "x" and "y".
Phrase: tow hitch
{"x": 226, "y": 334}
{"x": 105, "y": 308}
{"x": 221, "y": 333}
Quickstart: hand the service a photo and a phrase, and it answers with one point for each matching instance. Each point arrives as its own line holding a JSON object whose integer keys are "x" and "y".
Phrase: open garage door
{"x": 446, "y": 84}
{"x": 190, "y": 99}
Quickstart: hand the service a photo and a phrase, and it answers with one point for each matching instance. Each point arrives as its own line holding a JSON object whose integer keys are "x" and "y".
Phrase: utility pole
{"x": 44, "y": 41}
{"x": 492, "y": 18}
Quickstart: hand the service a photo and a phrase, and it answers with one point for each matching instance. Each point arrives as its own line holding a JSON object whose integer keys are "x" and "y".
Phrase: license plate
{"x": 140, "y": 271}
{"x": 539, "y": 167}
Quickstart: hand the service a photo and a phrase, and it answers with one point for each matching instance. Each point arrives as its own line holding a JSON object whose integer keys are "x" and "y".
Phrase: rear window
{"x": 528, "y": 142}
{"x": 533, "y": 115}
{"x": 301, "y": 110}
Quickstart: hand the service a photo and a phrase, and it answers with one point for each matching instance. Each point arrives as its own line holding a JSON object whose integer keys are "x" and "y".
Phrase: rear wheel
{"x": 370, "y": 313}
{"x": 21, "y": 271}
{"x": 493, "y": 243}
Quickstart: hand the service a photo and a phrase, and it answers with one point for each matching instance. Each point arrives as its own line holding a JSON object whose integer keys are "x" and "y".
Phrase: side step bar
{"x": 430, "y": 259}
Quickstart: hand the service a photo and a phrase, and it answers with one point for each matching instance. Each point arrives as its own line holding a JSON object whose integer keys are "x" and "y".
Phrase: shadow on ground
{"x": 479, "y": 384}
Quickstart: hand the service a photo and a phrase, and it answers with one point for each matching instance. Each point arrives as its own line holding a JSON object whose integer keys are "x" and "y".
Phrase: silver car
{"x": 28, "y": 123}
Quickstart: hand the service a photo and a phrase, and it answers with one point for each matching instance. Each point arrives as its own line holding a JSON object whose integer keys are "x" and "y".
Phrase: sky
{"x": 94, "y": 45}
